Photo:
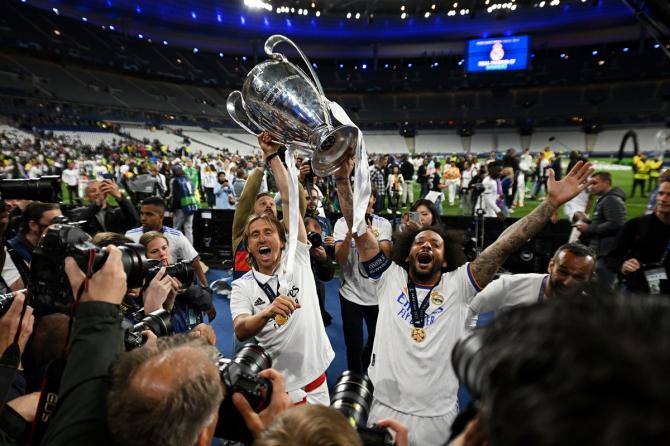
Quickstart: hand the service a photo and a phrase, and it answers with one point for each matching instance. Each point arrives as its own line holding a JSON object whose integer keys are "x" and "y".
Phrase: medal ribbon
{"x": 418, "y": 312}
{"x": 267, "y": 289}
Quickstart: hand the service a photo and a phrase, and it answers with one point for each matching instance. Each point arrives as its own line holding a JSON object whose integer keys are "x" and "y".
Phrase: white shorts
{"x": 423, "y": 431}
{"x": 319, "y": 395}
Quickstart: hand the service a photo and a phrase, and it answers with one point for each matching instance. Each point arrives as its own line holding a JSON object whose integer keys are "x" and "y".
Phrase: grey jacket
{"x": 608, "y": 218}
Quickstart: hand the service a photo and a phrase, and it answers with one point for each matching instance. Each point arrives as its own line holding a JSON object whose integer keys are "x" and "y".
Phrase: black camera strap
{"x": 418, "y": 311}
{"x": 19, "y": 263}
{"x": 267, "y": 289}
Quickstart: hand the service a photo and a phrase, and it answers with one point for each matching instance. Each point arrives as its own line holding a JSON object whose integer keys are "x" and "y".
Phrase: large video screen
{"x": 497, "y": 54}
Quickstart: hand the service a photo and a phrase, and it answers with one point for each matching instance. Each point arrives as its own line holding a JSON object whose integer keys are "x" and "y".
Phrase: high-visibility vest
{"x": 655, "y": 168}
{"x": 641, "y": 170}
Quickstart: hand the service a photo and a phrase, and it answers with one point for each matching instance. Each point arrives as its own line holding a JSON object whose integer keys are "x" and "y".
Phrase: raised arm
{"x": 485, "y": 266}
{"x": 282, "y": 178}
{"x": 367, "y": 244}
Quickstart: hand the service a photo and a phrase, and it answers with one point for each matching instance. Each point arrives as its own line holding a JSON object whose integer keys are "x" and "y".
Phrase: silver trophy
{"x": 278, "y": 97}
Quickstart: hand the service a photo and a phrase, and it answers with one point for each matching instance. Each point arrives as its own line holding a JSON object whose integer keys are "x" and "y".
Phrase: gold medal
{"x": 280, "y": 320}
{"x": 418, "y": 335}
{"x": 436, "y": 298}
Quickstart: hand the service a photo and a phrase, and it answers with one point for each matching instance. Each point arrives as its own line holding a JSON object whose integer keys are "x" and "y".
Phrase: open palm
{"x": 572, "y": 184}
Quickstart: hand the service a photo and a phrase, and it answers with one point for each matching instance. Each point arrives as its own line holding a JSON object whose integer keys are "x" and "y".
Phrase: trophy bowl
{"x": 279, "y": 98}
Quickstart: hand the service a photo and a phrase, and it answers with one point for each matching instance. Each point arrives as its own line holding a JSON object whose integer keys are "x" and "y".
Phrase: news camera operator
{"x": 165, "y": 393}
{"x": 186, "y": 302}
{"x": 18, "y": 410}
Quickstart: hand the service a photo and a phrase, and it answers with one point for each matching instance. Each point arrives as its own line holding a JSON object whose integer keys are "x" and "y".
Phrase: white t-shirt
{"x": 417, "y": 378}
{"x": 10, "y": 273}
{"x": 355, "y": 286}
{"x": 180, "y": 247}
{"x": 300, "y": 349}
{"x": 509, "y": 290}
{"x": 70, "y": 177}
{"x": 487, "y": 199}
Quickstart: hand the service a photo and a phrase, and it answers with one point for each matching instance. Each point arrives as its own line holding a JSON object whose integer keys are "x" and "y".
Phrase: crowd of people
{"x": 97, "y": 372}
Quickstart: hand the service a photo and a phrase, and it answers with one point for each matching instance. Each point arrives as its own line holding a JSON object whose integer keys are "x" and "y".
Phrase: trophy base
{"x": 336, "y": 146}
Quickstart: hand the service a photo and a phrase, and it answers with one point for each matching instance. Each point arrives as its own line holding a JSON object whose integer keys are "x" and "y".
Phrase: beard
{"x": 423, "y": 276}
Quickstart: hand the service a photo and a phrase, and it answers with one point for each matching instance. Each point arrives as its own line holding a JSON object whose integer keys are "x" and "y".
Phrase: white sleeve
{"x": 465, "y": 281}
{"x": 341, "y": 230}
{"x": 239, "y": 302}
{"x": 490, "y": 298}
{"x": 385, "y": 230}
{"x": 10, "y": 273}
{"x": 187, "y": 251}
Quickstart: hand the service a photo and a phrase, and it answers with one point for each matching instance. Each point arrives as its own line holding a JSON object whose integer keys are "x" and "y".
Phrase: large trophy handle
{"x": 276, "y": 39}
{"x": 234, "y": 103}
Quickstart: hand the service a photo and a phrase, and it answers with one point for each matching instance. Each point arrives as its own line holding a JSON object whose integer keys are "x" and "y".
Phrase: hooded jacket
{"x": 609, "y": 217}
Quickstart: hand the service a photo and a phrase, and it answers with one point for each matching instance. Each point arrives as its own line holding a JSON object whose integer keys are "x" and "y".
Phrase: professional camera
{"x": 182, "y": 271}
{"x": 158, "y": 322}
{"x": 352, "y": 396}
{"x": 468, "y": 363}
{"x": 315, "y": 239}
{"x": 6, "y": 301}
{"x": 45, "y": 189}
{"x": 241, "y": 375}
{"x": 48, "y": 285}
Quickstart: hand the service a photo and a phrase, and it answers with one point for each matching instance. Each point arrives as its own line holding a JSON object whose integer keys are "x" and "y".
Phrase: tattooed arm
{"x": 484, "y": 267}
{"x": 367, "y": 244}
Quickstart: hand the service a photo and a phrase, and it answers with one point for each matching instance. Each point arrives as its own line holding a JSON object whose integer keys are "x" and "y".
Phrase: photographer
{"x": 152, "y": 213}
{"x": 323, "y": 267}
{"x": 187, "y": 302}
{"x": 100, "y": 216}
{"x": 35, "y": 219}
{"x": 96, "y": 340}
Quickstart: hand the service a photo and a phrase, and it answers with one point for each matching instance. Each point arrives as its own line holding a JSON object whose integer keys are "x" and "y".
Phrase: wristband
{"x": 341, "y": 179}
{"x": 269, "y": 157}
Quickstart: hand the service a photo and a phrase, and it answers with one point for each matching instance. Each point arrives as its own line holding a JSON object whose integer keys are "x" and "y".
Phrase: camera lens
{"x": 352, "y": 396}
{"x": 467, "y": 362}
{"x": 135, "y": 264}
{"x": 158, "y": 322}
{"x": 254, "y": 358}
{"x": 43, "y": 189}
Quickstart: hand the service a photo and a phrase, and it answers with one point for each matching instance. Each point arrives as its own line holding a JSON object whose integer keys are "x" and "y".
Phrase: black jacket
{"x": 116, "y": 219}
{"x": 80, "y": 417}
{"x": 608, "y": 219}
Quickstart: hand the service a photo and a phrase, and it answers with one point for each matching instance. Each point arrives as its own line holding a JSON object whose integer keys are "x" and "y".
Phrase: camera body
{"x": 182, "y": 271}
{"x": 240, "y": 374}
{"x": 48, "y": 285}
{"x": 158, "y": 322}
{"x": 315, "y": 239}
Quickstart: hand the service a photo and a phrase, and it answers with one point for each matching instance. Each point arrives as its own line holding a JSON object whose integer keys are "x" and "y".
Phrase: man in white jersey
{"x": 151, "y": 218}
{"x": 281, "y": 308}
{"x": 422, "y": 310}
{"x": 358, "y": 299}
{"x": 569, "y": 273}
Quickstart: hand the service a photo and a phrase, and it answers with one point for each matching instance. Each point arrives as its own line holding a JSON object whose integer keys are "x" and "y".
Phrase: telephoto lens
{"x": 45, "y": 189}
{"x": 467, "y": 363}
{"x": 158, "y": 322}
{"x": 182, "y": 271}
{"x": 352, "y": 396}
{"x": 240, "y": 374}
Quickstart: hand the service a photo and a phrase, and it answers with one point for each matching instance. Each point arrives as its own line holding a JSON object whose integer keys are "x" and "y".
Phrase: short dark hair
{"x": 170, "y": 417}
{"x": 453, "y": 246}
{"x": 261, "y": 195}
{"x": 33, "y": 212}
{"x": 577, "y": 249}
{"x": 578, "y": 371}
{"x": 604, "y": 176}
{"x": 313, "y": 220}
{"x": 154, "y": 201}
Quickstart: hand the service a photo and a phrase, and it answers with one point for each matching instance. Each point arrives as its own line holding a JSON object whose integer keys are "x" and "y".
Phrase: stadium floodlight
{"x": 258, "y": 4}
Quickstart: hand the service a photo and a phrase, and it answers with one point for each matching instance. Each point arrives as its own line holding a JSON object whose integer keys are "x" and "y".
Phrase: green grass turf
{"x": 620, "y": 178}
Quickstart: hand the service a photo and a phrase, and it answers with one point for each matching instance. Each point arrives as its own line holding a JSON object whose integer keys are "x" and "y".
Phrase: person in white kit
{"x": 489, "y": 198}
{"x": 569, "y": 272}
{"x": 286, "y": 322}
{"x": 423, "y": 302}
{"x": 358, "y": 300}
